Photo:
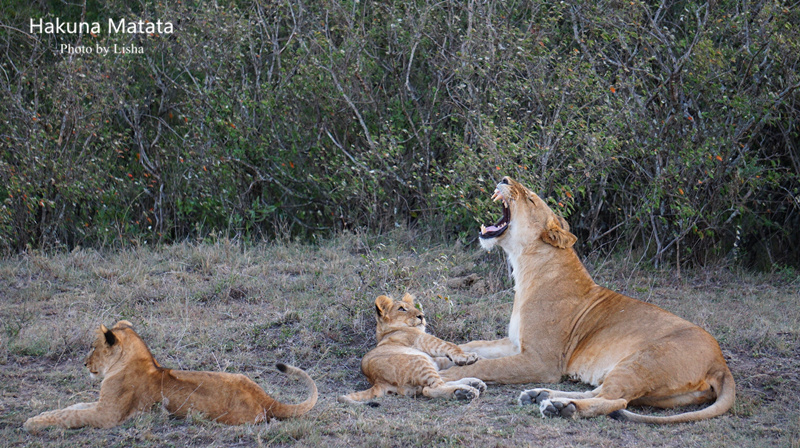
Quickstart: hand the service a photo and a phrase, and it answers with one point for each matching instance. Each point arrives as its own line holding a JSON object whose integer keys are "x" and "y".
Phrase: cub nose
{"x": 505, "y": 180}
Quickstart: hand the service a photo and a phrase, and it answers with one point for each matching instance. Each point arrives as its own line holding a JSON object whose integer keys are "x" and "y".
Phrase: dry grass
{"x": 227, "y": 306}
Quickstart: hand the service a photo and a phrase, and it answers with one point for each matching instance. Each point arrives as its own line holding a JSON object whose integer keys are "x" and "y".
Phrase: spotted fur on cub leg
{"x": 407, "y": 360}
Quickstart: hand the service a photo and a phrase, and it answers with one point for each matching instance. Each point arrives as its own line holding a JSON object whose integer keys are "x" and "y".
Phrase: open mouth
{"x": 500, "y": 226}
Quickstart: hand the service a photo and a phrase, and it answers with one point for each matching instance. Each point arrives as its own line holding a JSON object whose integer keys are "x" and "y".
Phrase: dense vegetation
{"x": 671, "y": 126}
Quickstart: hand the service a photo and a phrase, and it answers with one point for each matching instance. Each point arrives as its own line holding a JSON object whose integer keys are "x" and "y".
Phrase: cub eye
{"x": 401, "y": 309}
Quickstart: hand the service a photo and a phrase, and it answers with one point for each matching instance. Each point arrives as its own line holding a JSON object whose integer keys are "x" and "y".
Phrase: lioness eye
{"x": 401, "y": 309}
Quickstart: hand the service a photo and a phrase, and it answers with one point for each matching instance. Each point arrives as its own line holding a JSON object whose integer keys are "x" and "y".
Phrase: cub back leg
{"x": 361, "y": 397}
{"x": 461, "y": 390}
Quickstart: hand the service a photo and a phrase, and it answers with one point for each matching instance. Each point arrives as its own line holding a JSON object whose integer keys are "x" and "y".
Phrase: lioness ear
{"x": 408, "y": 298}
{"x": 382, "y": 305}
{"x": 557, "y": 233}
{"x": 109, "y": 335}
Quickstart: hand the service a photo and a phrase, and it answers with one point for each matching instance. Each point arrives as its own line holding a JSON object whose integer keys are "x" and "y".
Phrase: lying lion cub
{"x": 134, "y": 381}
{"x": 403, "y": 362}
{"x": 564, "y": 324}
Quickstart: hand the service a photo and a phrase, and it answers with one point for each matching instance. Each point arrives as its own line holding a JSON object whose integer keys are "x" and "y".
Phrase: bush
{"x": 670, "y": 128}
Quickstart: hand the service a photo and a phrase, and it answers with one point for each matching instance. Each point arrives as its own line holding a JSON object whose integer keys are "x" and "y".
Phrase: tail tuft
{"x": 619, "y": 416}
{"x": 373, "y": 404}
{"x": 281, "y": 366}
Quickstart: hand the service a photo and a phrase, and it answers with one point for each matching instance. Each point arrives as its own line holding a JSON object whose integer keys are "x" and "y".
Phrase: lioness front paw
{"x": 533, "y": 396}
{"x": 557, "y": 408}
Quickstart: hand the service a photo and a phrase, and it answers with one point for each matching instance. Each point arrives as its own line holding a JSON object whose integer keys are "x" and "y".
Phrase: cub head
{"x": 393, "y": 315}
{"x": 107, "y": 347}
{"x": 526, "y": 221}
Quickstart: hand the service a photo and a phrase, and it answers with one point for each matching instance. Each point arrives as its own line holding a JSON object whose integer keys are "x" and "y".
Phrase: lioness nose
{"x": 505, "y": 180}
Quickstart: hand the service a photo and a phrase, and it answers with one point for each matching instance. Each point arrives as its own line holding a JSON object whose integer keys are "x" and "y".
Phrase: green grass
{"x": 230, "y": 307}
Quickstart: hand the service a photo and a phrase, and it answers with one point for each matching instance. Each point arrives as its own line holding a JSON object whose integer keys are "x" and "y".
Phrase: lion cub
{"x": 403, "y": 362}
{"x": 133, "y": 382}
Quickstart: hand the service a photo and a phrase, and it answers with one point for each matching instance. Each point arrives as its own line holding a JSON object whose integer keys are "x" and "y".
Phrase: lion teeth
{"x": 505, "y": 204}
{"x": 483, "y": 229}
{"x": 498, "y": 196}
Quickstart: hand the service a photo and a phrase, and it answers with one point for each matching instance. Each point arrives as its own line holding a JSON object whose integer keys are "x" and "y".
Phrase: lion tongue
{"x": 485, "y": 229}
{"x": 503, "y": 223}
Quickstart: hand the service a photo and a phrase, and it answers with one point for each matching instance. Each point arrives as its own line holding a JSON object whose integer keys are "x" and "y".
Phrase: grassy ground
{"x": 226, "y": 306}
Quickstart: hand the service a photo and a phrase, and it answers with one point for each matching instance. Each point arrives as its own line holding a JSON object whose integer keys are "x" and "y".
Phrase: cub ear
{"x": 109, "y": 335}
{"x": 408, "y": 298}
{"x": 382, "y": 305}
{"x": 557, "y": 233}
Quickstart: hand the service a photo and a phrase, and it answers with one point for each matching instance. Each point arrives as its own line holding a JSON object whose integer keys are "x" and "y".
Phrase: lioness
{"x": 563, "y": 324}
{"x": 134, "y": 381}
{"x": 404, "y": 362}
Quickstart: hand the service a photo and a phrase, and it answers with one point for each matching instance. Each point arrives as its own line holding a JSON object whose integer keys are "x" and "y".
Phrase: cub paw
{"x": 477, "y": 384}
{"x": 31, "y": 426}
{"x": 465, "y": 359}
{"x": 550, "y": 408}
{"x": 467, "y": 393}
{"x": 443, "y": 362}
{"x": 533, "y": 396}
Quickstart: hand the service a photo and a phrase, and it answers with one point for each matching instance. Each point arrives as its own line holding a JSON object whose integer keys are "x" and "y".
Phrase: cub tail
{"x": 280, "y": 410}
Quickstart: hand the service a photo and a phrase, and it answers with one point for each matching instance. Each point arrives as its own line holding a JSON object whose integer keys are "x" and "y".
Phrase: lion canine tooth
{"x": 483, "y": 229}
{"x": 505, "y": 204}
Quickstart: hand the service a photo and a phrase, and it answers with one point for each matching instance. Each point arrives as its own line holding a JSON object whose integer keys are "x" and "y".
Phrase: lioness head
{"x": 526, "y": 220}
{"x": 394, "y": 315}
{"x": 107, "y": 348}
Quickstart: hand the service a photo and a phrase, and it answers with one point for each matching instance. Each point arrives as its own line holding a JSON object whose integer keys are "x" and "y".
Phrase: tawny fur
{"x": 404, "y": 360}
{"x": 563, "y": 324}
{"x": 133, "y": 382}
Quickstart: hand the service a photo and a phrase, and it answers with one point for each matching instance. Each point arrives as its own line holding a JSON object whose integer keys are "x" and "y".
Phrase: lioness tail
{"x": 725, "y": 399}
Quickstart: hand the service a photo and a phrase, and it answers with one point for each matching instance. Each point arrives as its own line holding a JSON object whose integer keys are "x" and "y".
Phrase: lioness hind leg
{"x": 536, "y": 396}
{"x": 557, "y": 403}
{"x": 685, "y": 399}
{"x": 580, "y": 408}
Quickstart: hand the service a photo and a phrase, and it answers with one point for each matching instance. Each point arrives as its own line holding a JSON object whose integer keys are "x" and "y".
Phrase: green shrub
{"x": 671, "y": 129}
